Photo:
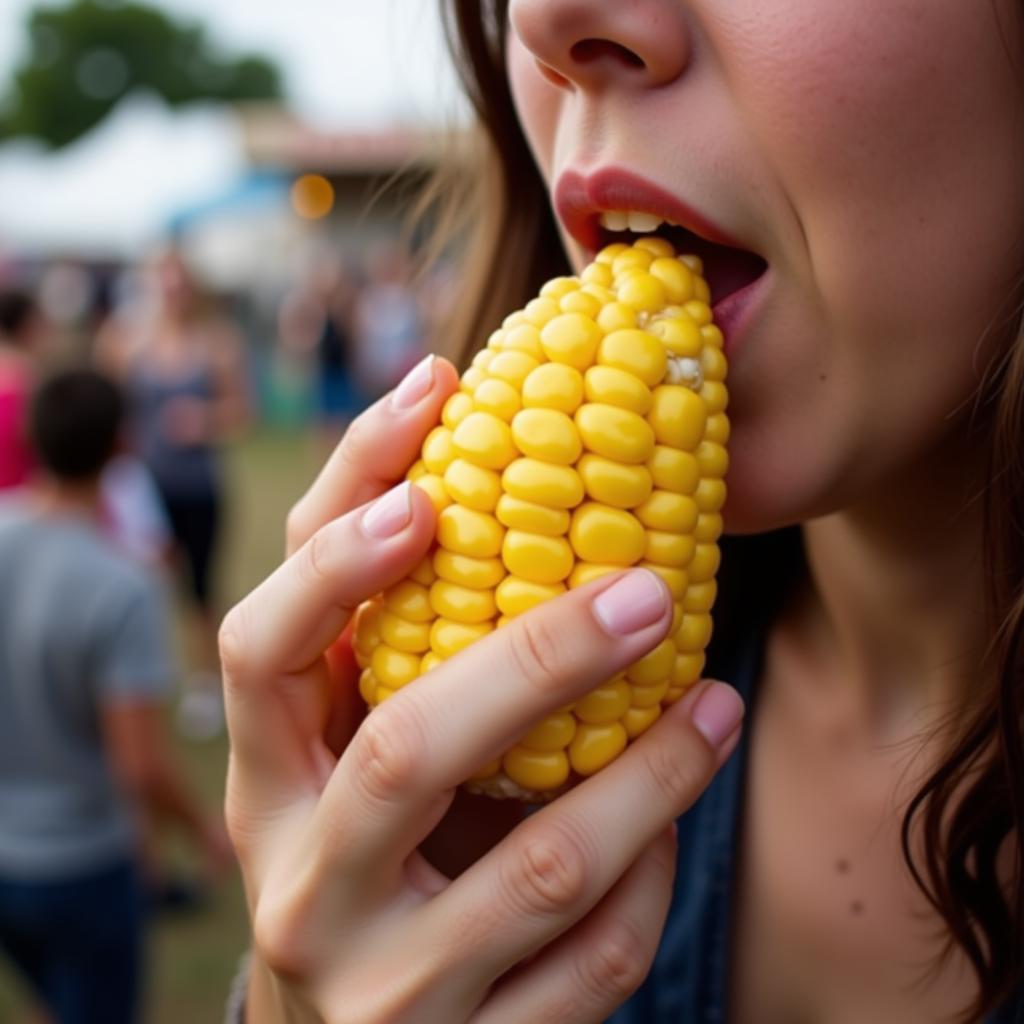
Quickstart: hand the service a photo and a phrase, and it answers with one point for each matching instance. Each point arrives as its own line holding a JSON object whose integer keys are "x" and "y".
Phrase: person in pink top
{"x": 19, "y": 327}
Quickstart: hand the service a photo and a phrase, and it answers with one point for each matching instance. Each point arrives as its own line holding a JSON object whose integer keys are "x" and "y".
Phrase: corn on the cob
{"x": 589, "y": 435}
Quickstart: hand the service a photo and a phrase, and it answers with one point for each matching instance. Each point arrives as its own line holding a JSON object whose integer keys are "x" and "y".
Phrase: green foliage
{"x": 84, "y": 56}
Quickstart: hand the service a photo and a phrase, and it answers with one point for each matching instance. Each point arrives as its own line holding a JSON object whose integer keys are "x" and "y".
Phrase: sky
{"x": 346, "y": 62}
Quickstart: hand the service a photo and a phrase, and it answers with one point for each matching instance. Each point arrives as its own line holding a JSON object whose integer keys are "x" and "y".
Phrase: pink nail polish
{"x": 389, "y": 514}
{"x": 416, "y": 384}
{"x": 637, "y": 600}
{"x": 718, "y": 712}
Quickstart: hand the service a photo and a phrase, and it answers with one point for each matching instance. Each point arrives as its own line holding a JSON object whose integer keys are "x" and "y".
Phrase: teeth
{"x": 643, "y": 222}
{"x": 630, "y": 220}
{"x": 615, "y": 220}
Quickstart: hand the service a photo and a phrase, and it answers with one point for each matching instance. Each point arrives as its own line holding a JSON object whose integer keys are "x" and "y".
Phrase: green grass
{"x": 192, "y": 958}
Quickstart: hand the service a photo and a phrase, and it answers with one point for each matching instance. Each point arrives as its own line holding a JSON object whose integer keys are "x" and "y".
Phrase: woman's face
{"x": 869, "y": 152}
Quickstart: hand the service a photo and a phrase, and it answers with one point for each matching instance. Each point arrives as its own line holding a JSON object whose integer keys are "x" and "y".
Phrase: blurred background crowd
{"x": 193, "y": 210}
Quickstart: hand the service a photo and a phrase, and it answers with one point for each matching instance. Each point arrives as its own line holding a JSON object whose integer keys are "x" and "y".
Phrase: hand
{"x": 560, "y": 919}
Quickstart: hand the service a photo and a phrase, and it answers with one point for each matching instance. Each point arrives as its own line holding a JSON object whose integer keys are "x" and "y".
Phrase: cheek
{"x": 537, "y": 102}
{"x": 892, "y": 131}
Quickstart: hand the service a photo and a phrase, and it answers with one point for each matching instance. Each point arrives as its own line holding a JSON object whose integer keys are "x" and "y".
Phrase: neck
{"x": 79, "y": 499}
{"x": 895, "y": 604}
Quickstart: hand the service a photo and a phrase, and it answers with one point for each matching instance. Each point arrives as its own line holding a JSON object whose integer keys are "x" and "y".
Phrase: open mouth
{"x": 727, "y": 269}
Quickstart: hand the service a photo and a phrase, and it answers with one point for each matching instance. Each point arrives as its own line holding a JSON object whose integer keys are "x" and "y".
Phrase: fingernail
{"x": 717, "y": 713}
{"x": 390, "y": 513}
{"x": 631, "y": 603}
{"x": 416, "y": 383}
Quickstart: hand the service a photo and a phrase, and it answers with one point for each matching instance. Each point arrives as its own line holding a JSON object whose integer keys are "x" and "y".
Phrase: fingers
{"x": 378, "y": 448}
{"x": 273, "y": 642}
{"x": 436, "y": 732}
{"x": 559, "y": 863}
{"x": 596, "y": 966}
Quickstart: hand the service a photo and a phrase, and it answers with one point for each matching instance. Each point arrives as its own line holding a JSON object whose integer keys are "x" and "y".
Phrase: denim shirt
{"x": 689, "y": 979}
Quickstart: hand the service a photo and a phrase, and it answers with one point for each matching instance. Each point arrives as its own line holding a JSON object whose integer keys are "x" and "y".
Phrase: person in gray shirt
{"x": 84, "y": 669}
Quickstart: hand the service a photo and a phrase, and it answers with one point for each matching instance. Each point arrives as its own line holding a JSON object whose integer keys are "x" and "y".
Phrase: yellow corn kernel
{"x": 547, "y": 435}
{"x": 595, "y": 746}
{"x": 636, "y": 352}
{"x": 677, "y": 417}
{"x": 543, "y": 484}
{"x": 615, "y": 433}
{"x": 552, "y": 733}
{"x": 456, "y": 409}
{"x": 572, "y": 339}
{"x": 602, "y": 534}
{"x": 608, "y": 385}
{"x": 448, "y": 637}
{"x": 462, "y": 604}
{"x": 536, "y": 771}
{"x": 515, "y": 595}
{"x": 534, "y": 557}
{"x": 438, "y": 450}
{"x": 553, "y": 386}
{"x": 668, "y": 511}
{"x": 476, "y": 573}
{"x": 616, "y": 316}
{"x": 403, "y": 635}
{"x": 484, "y": 440}
{"x": 498, "y": 398}
{"x": 393, "y": 668}
{"x": 607, "y": 703}
{"x": 472, "y": 486}
{"x": 614, "y": 483}
{"x": 468, "y": 532}
{"x": 673, "y": 470}
{"x": 527, "y": 515}
{"x": 410, "y": 600}
{"x": 589, "y": 435}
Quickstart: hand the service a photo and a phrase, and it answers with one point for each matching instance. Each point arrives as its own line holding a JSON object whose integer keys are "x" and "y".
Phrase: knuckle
{"x": 315, "y": 561}
{"x": 297, "y": 527}
{"x": 616, "y": 962}
{"x": 232, "y": 644}
{"x": 547, "y": 875}
{"x": 388, "y": 752}
{"x": 533, "y": 650}
{"x": 678, "y": 771}
{"x": 277, "y": 940}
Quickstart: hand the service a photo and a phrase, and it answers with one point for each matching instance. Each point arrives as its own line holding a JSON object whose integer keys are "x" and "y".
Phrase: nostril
{"x": 586, "y": 51}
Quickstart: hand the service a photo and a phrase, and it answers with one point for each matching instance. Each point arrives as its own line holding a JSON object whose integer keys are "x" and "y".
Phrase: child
{"x": 84, "y": 669}
{"x": 849, "y": 174}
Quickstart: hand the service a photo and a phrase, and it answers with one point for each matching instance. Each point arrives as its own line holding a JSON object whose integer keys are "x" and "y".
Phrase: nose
{"x": 594, "y": 44}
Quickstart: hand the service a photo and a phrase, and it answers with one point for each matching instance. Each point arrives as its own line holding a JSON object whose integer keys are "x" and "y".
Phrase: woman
{"x": 861, "y": 162}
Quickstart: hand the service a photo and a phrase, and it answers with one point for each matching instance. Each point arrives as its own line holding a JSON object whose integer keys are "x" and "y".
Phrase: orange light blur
{"x": 312, "y": 196}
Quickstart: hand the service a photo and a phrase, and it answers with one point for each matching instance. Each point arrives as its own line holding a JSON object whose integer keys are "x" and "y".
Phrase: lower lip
{"x": 734, "y": 313}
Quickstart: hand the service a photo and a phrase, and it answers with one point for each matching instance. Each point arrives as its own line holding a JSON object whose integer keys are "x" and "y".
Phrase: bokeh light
{"x": 312, "y": 196}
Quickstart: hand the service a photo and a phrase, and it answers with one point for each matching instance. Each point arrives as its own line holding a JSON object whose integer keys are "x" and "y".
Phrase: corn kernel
{"x": 435, "y": 489}
{"x": 636, "y": 352}
{"x": 654, "y": 666}
{"x": 668, "y": 511}
{"x": 636, "y": 721}
{"x": 483, "y": 439}
{"x": 595, "y": 746}
{"x": 462, "y": 604}
{"x": 680, "y": 336}
{"x": 677, "y": 417}
{"x": 673, "y": 470}
{"x": 547, "y": 435}
{"x": 607, "y": 703}
{"x": 610, "y": 535}
{"x": 615, "y": 433}
{"x": 694, "y": 634}
{"x": 554, "y": 386}
{"x": 438, "y": 450}
{"x": 468, "y": 532}
{"x": 456, "y": 409}
{"x": 524, "y": 338}
{"x": 472, "y": 486}
{"x": 537, "y": 558}
{"x": 585, "y": 572}
{"x": 513, "y": 367}
{"x": 536, "y": 771}
{"x": 552, "y": 733}
{"x": 448, "y": 637}
{"x": 498, "y": 398}
{"x": 403, "y": 635}
{"x": 674, "y": 549}
{"x": 572, "y": 339}
{"x": 614, "y": 483}
{"x": 543, "y": 484}
{"x": 607, "y": 385}
{"x": 477, "y": 573}
{"x": 393, "y": 668}
{"x": 515, "y": 595}
{"x": 526, "y": 515}
{"x": 616, "y": 316}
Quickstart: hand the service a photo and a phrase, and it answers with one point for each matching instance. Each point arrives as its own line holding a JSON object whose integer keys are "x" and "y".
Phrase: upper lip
{"x": 580, "y": 199}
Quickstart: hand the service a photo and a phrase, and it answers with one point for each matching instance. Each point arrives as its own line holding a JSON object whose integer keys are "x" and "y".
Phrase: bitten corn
{"x": 589, "y": 435}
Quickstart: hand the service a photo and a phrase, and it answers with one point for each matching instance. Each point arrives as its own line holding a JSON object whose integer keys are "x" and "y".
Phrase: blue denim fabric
{"x": 78, "y": 943}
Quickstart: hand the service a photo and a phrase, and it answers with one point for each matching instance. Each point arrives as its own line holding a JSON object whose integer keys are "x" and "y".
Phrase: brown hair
{"x": 968, "y": 817}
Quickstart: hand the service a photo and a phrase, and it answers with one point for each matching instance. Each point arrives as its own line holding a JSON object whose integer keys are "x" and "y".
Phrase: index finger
{"x": 378, "y": 448}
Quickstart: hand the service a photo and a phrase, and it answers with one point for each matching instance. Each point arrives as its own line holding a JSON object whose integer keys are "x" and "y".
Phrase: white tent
{"x": 113, "y": 193}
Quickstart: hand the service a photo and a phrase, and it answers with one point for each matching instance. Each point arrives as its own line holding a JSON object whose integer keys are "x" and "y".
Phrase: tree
{"x": 84, "y": 56}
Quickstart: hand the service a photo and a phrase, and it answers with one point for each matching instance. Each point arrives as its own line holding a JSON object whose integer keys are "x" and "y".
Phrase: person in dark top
{"x": 181, "y": 365}
{"x": 848, "y": 174}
